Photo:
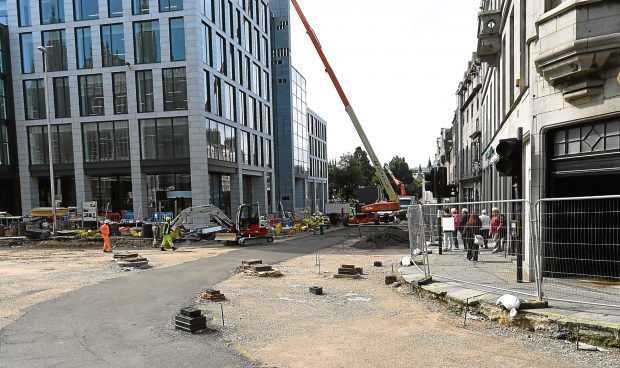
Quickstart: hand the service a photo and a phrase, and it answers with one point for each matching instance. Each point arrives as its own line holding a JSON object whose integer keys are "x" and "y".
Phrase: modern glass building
{"x": 155, "y": 105}
{"x": 296, "y": 180}
{"x": 317, "y": 178}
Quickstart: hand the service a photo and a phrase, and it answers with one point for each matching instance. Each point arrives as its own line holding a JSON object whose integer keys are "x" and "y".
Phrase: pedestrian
{"x": 105, "y": 233}
{"x": 462, "y": 222}
{"x": 447, "y": 234}
{"x": 485, "y": 228}
{"x": 455, "y": 236}
{"x": 498, "y": 230}
{"x": 472, "y": 228}
{"x": 167, "y": 240}
{"x": 321, "y": 225}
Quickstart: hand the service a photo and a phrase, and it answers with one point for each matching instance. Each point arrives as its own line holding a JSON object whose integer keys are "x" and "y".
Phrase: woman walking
{"x": 472, "y": 228}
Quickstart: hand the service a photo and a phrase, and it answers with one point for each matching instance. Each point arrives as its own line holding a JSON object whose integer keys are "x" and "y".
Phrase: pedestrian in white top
{"x": 486, "y": 226}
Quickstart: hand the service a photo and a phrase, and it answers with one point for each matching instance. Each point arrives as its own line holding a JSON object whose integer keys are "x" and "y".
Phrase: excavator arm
{"x": 202, "y": 211}
{"x": 385, "y": 183}
{"x": 400, "y": 184}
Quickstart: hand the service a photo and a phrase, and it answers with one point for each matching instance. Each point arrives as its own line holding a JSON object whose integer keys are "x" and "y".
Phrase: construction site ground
{"x": 115, "y": 318}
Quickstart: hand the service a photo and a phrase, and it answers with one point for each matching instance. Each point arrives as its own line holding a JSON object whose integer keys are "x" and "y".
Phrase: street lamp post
{"x": 44, "y": 52}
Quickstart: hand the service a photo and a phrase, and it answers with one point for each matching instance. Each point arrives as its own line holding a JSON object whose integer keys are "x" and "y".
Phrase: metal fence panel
{"x": 504, "y": 261}
{"x": 579, "y": 242}
{"x": 417, "y": 236}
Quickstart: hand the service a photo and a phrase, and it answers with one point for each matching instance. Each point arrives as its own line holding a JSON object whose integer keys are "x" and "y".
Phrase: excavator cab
{"x": 249, "y": 224}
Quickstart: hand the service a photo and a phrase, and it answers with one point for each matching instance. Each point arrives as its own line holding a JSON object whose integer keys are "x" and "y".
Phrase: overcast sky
{"x": 399, "y": 62}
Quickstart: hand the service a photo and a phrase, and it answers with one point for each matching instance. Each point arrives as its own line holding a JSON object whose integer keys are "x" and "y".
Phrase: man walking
{"x": 167, "y": 240}
{"x": 105, "y": 233}
{"x": 485, "y": 228}
{"x": 498, "y": 230}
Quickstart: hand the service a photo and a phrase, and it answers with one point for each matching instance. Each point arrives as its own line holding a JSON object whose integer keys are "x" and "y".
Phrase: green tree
{"x": 368, "y": 171}
{"x": 345, "y": 177}
{"x": 401, "y": 171}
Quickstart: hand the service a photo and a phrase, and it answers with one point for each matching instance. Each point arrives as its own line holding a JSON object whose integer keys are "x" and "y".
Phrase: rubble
{"x": 392, "y": 236}
{"x": 131, "y": 260}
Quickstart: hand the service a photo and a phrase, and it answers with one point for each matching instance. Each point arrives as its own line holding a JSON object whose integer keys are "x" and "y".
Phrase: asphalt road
{"x": 128, "y": 321}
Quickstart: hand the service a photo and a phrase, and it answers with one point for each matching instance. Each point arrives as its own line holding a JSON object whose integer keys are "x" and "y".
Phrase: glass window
{"x": 245, "y": 147}
{"x": 139, "y": 7}
{"x": 106, "y": 141}
{"x": 54, "y": 42}
{"x": 115, "y": 8}
{"x": 52, "y": 11}
{"x": 121, "y": 140}
{"x": 85, "y": 9}
{"x": 243, "y": 108}
{"x": 181, "y": 137}
{"x": 62, "y": 144}
{"x": 62, "y": 102}
{"x": 90, "y": 142}
{"x": 207, "y": 92}
{"x": 144, "y": 91}
{"x": 252, "y": 112}
{"x": 146, "y": 42}
{"x": 177, "y": 39}
{"x": 23, "y": 13}
{"x": 26, "y": 48}
{"x": 165, "y": 139}
{"x": 84, "y": 50}
{"x": 247, "y": 33}
{"x": 91, "y": 95}
{"x": 206, "y": 43}
{"x": 230, "y": 100}
{"x": 34, "y": 99}
{"x": 221, "y": 141}
{"x": 219, "y": 57}
{"x": 37, "y": 144}
{"x": 217, "y": 95}
{"x": 148, "y": 139}
{"x": 119, "y": 92}
{"x": 112, "y": 45}
{"x": 170, "y": 5}
{"x": 230, "y": 63}
{"x": 175, "y": 89}
{"x": 5, "y": 158}
{"x": 2, "y": 101}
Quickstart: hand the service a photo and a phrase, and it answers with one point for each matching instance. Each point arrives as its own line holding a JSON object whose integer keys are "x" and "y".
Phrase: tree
{"x": 345, "y": 177}
{"x": 368, "y": 171}
{"x": 400, "y": 169}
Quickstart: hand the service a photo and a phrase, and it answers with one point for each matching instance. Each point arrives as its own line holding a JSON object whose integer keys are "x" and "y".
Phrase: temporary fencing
{"x": 561, "y": 249}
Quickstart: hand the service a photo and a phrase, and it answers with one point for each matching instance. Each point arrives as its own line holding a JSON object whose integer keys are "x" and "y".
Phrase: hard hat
{"x": 106, "y": 222}
{"x": 167, "y": 218}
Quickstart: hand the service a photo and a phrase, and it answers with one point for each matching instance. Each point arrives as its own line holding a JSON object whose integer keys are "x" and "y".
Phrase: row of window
{"x": 222, "y": 145}
{"x": 222, "y": 99}
{"x": 228, "y": 60}
{"x": 146, "y": 46}
{"x": 318, "y": 169}
{"x": 301, "y": 159}
{"x": 317, "y": 128}
{"x": 53, "y": 11}
{"x": 223, "y": 13}
{"x": 91, "y": 94}
{"x": 318, "y": 148}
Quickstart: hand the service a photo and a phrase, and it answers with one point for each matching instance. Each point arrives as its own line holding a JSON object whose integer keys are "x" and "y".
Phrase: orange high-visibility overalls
{"x": 105, "y": 233}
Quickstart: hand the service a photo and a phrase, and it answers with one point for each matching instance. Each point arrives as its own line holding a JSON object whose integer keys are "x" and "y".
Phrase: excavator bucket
{"x": 226, "y": 237}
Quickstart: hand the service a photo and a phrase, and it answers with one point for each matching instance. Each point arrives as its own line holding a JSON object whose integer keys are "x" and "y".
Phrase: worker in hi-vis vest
{"x": 167, "y": 240}
{"x": 105, "y": 233}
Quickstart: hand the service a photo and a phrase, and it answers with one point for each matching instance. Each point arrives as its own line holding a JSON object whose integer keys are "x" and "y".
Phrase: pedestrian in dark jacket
{"x": 472, "y": 228}
{"x": 462, "y": 223}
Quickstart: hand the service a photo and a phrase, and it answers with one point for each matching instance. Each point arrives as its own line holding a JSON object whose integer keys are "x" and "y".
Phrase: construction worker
{"x": 321, "y": 225}
{"x": 167, "y": 240}
{"x": 105, "y": 233}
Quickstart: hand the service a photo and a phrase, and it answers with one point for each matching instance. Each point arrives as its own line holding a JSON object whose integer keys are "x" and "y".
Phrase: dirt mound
{"x": 388, "y": 237}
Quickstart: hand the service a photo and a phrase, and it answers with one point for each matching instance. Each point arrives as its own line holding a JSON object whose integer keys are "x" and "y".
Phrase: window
{"x": 146, "y": 42}
{"x": 139, "y": 7}
{"x": 34, "y": 99}
{"x": 23, "y": 13}
{"x": 207, "y": 8}
{"x": 243, "y": 108}
{"x": 115, "y": 8}
{"x": 175, "y": 89}
{"x": 217, "y": 94}
{"x": 112, "y": 45}
{"x": 247, "y": 33}
{"x": 268, "y": 162}
{"x": 230, "y": 63}
{"x": 587, "y": 139}
{"x": 85, "y": 9}
{"x": 206, "y": 44}
{"x": 105, "y": 141}
{"x": 230, "y": 100}
{"x": 164, "y": 138}
{"x": 3, "y": 105}
{"x": 62, "y": 144}
{"x": 84, "y": 50}
{"x": 221, "y": 141}
{"x": 119, "y": 92}
{"x": 207, "y": 92}
{"x": 5, "y": 157}
{"x": 52, "y": 11}
{"x": 245, "y": 148}
{"x": 219, "y": 57}
{"x": 54, "y": 42}
{"x": 553, "y": 3}
{"x": 62, "y": 101}
{"x": 177, "y": 39}
{"x": 144, "y": 91}
{"x": 26, "y": 48}
{"x": 170, "y": 5}
{"x": 251, "y": 112}
{"x": 91, "y": 95}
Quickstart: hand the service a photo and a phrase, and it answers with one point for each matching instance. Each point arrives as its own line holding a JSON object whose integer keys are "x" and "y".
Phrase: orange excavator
{"x": 368, "y": 212}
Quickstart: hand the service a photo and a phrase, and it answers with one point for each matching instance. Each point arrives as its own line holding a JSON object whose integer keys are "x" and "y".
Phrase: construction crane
{"x": 393, "y": 201}
{"x": 398, "y": 183}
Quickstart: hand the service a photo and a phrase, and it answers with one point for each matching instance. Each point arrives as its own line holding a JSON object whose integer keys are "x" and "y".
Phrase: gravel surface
{"x": 365, "y": 323}
{"x": 29, "y": 276}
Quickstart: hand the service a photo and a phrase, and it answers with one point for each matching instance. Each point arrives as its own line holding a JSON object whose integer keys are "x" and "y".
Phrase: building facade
{"x": 9, "y": 178}
{"x": 156, "y": 105}
{"x": 317, "y": 178}
{"x": 298, "y": 183}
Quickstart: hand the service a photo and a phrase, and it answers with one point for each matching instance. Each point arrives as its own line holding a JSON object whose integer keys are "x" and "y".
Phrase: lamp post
{"x": 44, "y": 52}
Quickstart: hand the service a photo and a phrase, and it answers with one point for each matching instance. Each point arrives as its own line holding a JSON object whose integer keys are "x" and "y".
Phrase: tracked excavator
{"x": 368, "y": 213}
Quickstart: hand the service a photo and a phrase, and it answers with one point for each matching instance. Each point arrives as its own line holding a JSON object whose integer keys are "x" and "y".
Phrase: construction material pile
{"x": 349, "y": 271}
{"x": 389, "y": 237}
{"x": 131, "y": 260}
{"x": 213, "y": 295}
{"x": 255, "y": 267}
{"x": 190, "y": 320}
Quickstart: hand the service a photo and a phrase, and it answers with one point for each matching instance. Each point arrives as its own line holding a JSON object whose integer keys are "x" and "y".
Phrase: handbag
{"x": 479, "y": 240}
